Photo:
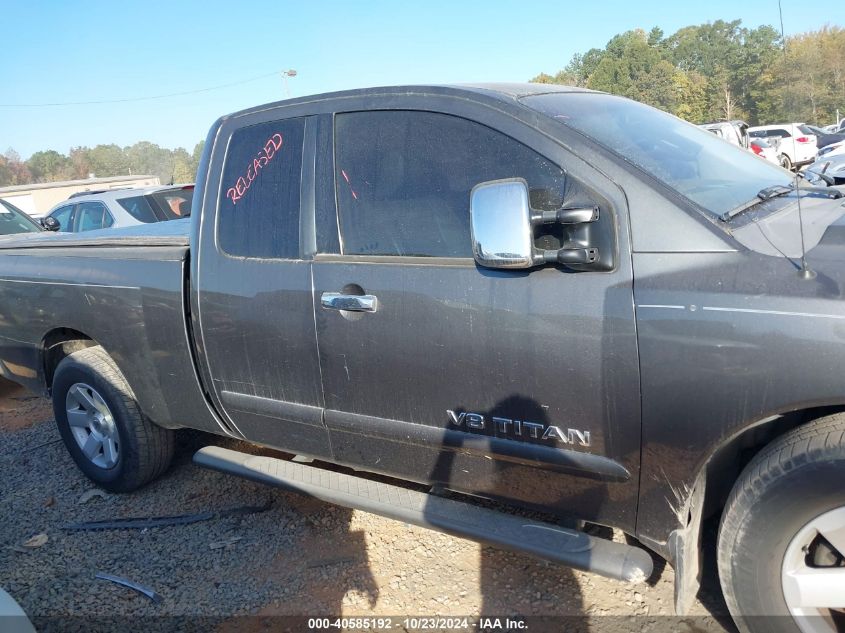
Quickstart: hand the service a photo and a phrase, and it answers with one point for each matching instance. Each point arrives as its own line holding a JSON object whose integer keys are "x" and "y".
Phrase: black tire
{"x": 145, "y": 449}
{"x": 785, "y": 162}
{"x": 789, "y": 483}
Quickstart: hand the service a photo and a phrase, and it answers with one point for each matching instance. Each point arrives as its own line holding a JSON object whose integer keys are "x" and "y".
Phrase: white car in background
{"x": 765, "y": 149}
{"x": 120, "y": 207}
{"x": 796, "y": 148}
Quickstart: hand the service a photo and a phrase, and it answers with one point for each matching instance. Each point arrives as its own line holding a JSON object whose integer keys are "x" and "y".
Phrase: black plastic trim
{"x": 566, "y": 461}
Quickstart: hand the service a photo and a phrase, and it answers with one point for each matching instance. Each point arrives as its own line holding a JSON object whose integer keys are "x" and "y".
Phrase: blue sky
{"x": 58, "y": 51}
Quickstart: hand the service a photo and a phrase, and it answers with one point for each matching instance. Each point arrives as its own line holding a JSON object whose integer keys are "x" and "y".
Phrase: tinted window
{"x": 174, "y": 203}
{"x": 139, "y": 208}
{"x": 62, "y": 216}
{"x": 404, "y": 180}
{"x": 91, "y": 216}
{"x": 717, "y": 176}
{"x": 259, "y": 207}
{"x": 13, "y": 220}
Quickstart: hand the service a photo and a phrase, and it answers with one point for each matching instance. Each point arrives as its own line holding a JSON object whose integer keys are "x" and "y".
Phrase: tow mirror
{"x": 500, "y": 223}
{"x": 51, "y": 224}
{"x": 502, "y": 227}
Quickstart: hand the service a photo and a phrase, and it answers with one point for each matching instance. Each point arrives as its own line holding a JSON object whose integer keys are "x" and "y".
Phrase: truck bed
{"x": 173, "y": 233}
{"x": 123, "y": 289}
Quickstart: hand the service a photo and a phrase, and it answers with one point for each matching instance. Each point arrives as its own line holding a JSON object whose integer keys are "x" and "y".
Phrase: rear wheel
{"x": 102, "y": 426}
{"x": 782, "y": 537}
{"x": 785, "y": 162}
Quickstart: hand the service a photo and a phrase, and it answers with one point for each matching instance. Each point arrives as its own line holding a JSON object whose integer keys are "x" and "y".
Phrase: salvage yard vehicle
{"x": 735, "y": 132}
{"x": 13, "y": 220}
{"x": 119, "y": 208}
{"x": 553, "y": 298}
{"x": 797, "y": 148}
{"x": 765, "y": 149}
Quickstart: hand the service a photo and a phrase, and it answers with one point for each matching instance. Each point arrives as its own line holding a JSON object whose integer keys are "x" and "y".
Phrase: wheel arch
{"x": 713, "y": 484}
{"x": 56, "y": 345}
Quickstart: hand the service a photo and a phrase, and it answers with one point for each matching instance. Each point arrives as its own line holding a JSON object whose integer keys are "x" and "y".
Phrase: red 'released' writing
{"x": 270, "y": 149}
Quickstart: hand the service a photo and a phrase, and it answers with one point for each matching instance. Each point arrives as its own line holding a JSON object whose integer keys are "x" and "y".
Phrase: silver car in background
{"x": 119, "y": 208}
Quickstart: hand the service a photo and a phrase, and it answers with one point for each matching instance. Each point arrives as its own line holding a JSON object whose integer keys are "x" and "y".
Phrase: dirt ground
{"x": 265, "y": 554}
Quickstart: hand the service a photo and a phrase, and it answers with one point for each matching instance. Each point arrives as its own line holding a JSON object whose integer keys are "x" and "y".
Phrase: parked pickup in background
{"x": 557, "y": 299}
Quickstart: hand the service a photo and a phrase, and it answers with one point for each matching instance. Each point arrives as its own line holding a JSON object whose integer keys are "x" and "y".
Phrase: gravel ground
{"x": 283, "y": 555}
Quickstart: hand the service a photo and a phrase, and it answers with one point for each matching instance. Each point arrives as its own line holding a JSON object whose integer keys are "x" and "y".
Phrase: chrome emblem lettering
{"x": 507, "y": 427}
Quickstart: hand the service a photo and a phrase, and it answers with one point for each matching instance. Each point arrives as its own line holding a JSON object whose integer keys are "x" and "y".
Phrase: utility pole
{"x": 285, "y": 75}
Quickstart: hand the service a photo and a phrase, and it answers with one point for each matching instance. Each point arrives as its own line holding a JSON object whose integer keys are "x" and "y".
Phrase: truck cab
{"x": 459, "y": 304}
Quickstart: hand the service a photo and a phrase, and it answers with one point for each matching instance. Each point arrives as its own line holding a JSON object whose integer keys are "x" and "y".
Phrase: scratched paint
{"x": 262, "y": 159}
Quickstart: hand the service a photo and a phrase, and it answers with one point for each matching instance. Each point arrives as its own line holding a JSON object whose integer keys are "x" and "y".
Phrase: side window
{"x": 62, "y": 215}
{"x": 404, "y": 179}
{"x": 139, "y": 208}
{"x": 780, "y": 132}
{"x": 259, "y": 204}
{"x": 91, "y": 216}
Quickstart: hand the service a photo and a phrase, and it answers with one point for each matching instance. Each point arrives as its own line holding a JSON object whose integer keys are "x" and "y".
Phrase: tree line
{"x": 702, "y": 73}
{"x": 170, "y": 165}
{"x": 720, "y": 71}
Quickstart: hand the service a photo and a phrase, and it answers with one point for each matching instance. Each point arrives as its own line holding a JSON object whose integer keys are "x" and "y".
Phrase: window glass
{"x": 259, "y": 204}
{"x": 92, "y": 216}
{"x": 62, "y": 216}
{"x": 139, "y": 208}
{"x": 404, "y": 180}
{"x": 13, "y": 220}
{"x": 174, "y": 203}
{"x": 715, "y": 175}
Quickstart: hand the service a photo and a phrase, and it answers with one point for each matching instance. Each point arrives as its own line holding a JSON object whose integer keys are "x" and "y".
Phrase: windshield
{"x": 13, "y": 220}
{"x": 716, "y": 175}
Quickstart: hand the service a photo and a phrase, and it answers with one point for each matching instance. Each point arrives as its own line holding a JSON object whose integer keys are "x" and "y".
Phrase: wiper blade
{"x": 764, "y": 194}
{"x": 779, "y": 190}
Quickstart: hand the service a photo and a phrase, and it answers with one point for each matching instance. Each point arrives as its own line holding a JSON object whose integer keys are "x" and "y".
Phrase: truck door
{"x": 521, "y": 385}
{"x": 253, "y": 287}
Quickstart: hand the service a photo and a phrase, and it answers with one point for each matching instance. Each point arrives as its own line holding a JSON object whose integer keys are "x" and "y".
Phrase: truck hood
{"x": 778, "y": 233}
{"x": 170, "y": 233}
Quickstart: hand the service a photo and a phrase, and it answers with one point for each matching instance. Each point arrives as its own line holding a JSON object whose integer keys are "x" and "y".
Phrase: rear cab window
{"x": 258, "y": 211}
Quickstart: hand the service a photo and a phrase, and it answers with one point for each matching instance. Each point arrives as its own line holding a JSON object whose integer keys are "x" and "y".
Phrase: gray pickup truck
{"x": 569, "y": 303}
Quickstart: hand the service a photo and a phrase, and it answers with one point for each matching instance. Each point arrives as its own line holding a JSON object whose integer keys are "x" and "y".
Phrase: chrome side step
{"x": 544, "y": 540}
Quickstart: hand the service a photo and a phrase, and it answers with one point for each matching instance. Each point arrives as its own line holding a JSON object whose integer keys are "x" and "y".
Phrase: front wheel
{"x": 782, "y": 536}
{"x": 102, "y": 426}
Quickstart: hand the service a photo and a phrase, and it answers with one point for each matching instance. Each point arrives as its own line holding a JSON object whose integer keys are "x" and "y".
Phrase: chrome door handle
{"x": 352, "y": 303}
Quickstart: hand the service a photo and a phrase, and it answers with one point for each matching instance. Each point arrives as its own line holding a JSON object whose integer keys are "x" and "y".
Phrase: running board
{"x": 544, "y": 540}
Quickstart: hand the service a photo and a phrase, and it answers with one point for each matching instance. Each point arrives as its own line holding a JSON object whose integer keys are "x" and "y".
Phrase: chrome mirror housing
{"x": 500, "y": 224}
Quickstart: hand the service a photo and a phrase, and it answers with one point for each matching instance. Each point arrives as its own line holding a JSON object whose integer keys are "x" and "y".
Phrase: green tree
{"x": 107, "y": 160}
{"x": 49, "y": 165}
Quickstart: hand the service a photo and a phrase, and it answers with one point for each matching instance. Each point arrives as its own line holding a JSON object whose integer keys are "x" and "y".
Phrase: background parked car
{"x": 797, "y": 148}
{"x": 735, "y": 132}
{"x": 823, "y": 138}
{"x": 833, "y": 149}
{"x": 13, "y": 220}
{"x": 833, "y": 166}
{"x": 765, "y": 149}
{"x": 120, "y": 207}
